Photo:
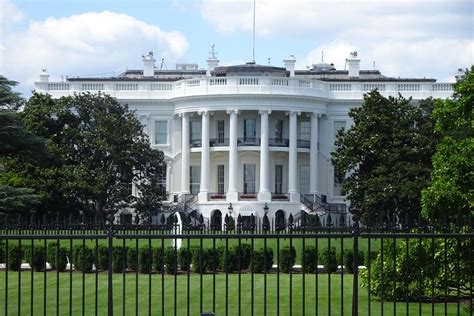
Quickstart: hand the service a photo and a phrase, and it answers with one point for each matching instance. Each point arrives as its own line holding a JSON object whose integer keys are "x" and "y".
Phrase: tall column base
{"x": 202, "y": 196}
{"x": 232, "y": 196}
{"x": 294, "y": 196}
{"x": 264, "y": 195}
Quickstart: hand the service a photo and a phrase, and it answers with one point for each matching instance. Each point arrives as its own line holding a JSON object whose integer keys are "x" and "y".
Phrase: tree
{"x": 8, "y": 98}
{"x": 99, "y": 150}
{"x": 451, "y": 194}
{"x": 386, "y": 156}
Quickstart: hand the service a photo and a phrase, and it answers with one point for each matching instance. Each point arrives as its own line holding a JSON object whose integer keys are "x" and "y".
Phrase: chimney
{"x": 353, "y": 65}
{"x": 212, "y": 61}
{"x": 148, "y": 65}
{"x": 460, "y": 75}
{"x": 44, "y": 76}
{"x": 289, "y": 63}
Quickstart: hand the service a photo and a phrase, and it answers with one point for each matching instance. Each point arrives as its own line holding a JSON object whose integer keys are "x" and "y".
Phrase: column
{"x": 313, "y": 154}
{"x": 293, "y": 158}
{"x": 264, "y": 193}
{"x": 204, "y": 187}
{"x": 184, "y": 153}
{"x": 232, "y": 193}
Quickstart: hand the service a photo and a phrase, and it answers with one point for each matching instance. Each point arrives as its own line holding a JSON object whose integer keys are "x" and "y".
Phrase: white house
{"x": 248, "y": 139}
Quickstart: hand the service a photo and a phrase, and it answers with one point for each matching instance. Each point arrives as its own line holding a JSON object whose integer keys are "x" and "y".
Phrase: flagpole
{"x": 253, "y": 55}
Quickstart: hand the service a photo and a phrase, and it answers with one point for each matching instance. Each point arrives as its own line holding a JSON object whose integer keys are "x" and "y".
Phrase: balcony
{"x": 278, "y": 142}
{"x": 280, "y": 197}
{"x": 193, "y": 143}
{"x": 303, "y": 143}
{"x": 247, "y": 196}
{"x": 215, "y": 142}
{"x": 248, "y": 141}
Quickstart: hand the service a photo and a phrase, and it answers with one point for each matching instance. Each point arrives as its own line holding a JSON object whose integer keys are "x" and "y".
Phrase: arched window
{"x": 280, "y": 220}
{"x": 216, "y": 220}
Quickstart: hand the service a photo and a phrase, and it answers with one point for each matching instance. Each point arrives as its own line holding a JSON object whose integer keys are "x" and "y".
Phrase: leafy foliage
{"x": 9, "y": 100}
{"x": 287, "y": 259}
{"x": 408, "y": 270}
{"x": 93, "y": 166}
{"x": 451, "y": 193}
{"x": 386, "y": 155}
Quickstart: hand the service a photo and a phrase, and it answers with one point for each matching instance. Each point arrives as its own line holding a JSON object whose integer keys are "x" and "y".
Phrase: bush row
{"x": 149, "y": 260}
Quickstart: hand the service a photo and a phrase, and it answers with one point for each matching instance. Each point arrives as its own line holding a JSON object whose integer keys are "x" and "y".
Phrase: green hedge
{"x": 328, "y": 258}
{"x": 102, "y": 257}
{"x": 261, "y": 260}
{"x": 145, "y": 260}
{"x": 287, "y": 259}
{"x": 171, "y": 260}
{"x": 184, "y": 258}
{"x": 83, "y": 258}
{"x": 348, "y": 259}
{"x": 14, "y": 258}
{"x": 57, "y": 256}
{"x": 132, "y": 258}
{"x": 309, "y": 263}
{"x": 38, "y": 258}
{"x": 228, "y": 261}
{"x": 119, "y": 258}
{"x": 158, "y": 259}
{"x": 200, "y": 260}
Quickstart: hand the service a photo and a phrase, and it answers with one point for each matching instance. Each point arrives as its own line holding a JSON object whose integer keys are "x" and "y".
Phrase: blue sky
{"x": 417, "y": 38}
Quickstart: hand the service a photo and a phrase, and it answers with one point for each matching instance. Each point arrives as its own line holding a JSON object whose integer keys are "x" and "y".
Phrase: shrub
{"x": 145, "y": 260}
{"x": 348, "y": 260}
{"x": 38, "y": 258}
{"x": 84, "y": 258}
{"x": 14, "y": 260}
{"x": 413, "y": 275}
{"x": 244, "y": 256}
{"x": 228, "y": 259}
{"x": 2, "y": 252}
{"x": 212, "y": 259}
{"x": 261, "y": 261}
{"x": 57, "y": 256}
{"x": 200, "y": 260}
{"x": 184, "y": 258}
{"x": 132, "y": 260}
{"x": 119, "y": 258}
{"x": 328, "y": 258}
{"x": 310, "y": 260}
{"x": 287, "y": 259}
{"x": 370, "y": 257}
{"x": 171, "y": 260}
{"x": 102, "y": 257}
{"x": 158, "y": 259}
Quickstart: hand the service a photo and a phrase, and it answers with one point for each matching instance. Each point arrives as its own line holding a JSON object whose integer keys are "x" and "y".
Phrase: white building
{"x": 248, "y": 139}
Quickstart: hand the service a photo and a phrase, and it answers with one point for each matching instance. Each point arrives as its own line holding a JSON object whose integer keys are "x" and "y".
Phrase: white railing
{"x": 234, "y": 85}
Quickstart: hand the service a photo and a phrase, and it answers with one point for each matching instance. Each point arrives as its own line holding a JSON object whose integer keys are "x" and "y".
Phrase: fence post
{"x": 110, "y": 236}
{"x": 355, "y": 286}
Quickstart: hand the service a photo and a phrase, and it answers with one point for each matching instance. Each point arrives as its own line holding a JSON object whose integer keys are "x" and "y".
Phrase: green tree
{"x": 386, "y": 156}
{"x": 98, "y": 150}
{"x": 451, "y": 194}
{"x": 8, "y": 98}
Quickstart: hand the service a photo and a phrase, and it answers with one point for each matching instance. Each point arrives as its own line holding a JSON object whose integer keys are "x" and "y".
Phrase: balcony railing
{"x": 216, "y": 196}
{"x": 247, "y": 196}
{"x": 303, "y": 143}
{"x": 278, "y": 142}
{"x": 248, "y": 141}
{"x": 215, "y": 142}
{"x": 280, "y": 197}
{"x": 193, "y": 143}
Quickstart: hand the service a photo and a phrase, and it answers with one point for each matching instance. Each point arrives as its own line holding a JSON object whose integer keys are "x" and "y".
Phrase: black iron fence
{"x": 186, "y": 267}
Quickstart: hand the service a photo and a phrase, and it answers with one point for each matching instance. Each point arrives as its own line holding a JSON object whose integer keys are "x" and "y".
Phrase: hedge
{"x": 348, "y": 259}
{"x": 38, "y": 258}
{"x": 171, "y": 260}
{"x": 132, "y": 260}
{"x": 328, "y": 258}
{"x": 14, "y": 260}
{"x": 119, "y": 259}
{"x": 57, "y": 256}
{"x": 287, "y": 259}
{"x": 145, "y": 260}
{"x": 102, "y": 257}
{"x": 228, "y": 261}
{"x": 184, "y": 258}
{"x": 83, "y": 258}
{"x": 158, "y": 259}
{"x": 200, "y": 260}
{"x": 261, "y": 260}
{"x": 309, "y": 263}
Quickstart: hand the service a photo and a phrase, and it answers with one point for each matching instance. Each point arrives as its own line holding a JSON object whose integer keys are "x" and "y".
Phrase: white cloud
{"x": 82, "y": 44}
{"x": 405, "y": 38}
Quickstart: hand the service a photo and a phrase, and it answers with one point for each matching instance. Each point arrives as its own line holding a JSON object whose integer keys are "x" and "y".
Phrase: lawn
{"x": 140, "y": 300}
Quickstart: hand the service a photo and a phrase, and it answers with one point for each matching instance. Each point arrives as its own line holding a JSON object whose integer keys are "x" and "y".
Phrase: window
{"x": 249, "y": 178}
{"x": 194, "y": 179}
{"x": 338, "y": 179}
{"x": 195, "y": 131}
{"x": 220, "y": 132}
{"x": 220, "y": 179}
{"x": 338, "y": 125}
{"x": 161, "y": 132}
{"x": 305, "y": 130}
{"x": 250, "y": 130}
{"x": 304, "y": 180}
{"x": 278, "y": 179}
{"x": 279, "y": 130}
{"x": 161, "y": 179}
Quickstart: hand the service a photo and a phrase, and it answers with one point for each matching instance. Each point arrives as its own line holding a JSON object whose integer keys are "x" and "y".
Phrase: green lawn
{"x": 309, "y": 300}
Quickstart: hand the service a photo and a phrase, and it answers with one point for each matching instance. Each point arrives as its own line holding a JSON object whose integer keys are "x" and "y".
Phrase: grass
{"x": 140, "y": 299}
